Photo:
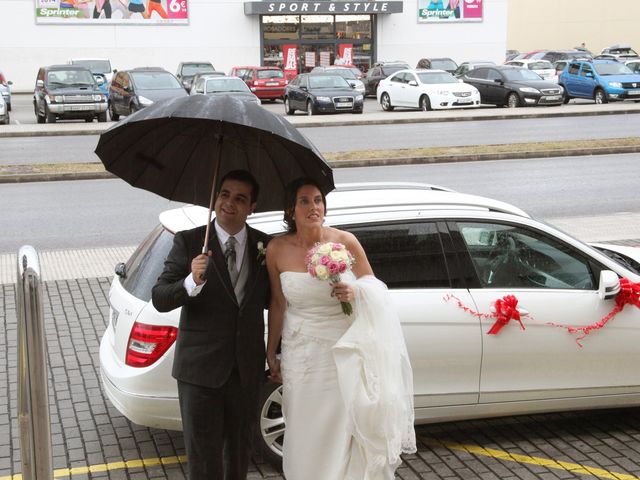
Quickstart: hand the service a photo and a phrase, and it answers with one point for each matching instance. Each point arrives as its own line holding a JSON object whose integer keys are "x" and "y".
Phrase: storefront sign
{"x": 112, "y": 11}
{"x": 345, "y": 52}
{"x": 288, "y": 8}
{"x": 449, "y": 11}
{"x": 291, "y": 61}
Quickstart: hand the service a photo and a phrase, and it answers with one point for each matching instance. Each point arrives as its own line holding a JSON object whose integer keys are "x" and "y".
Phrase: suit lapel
{"x": 219, "y": 265}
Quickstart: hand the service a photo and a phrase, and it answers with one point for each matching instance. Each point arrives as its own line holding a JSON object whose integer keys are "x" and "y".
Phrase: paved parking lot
{"x": 92, "y": 440}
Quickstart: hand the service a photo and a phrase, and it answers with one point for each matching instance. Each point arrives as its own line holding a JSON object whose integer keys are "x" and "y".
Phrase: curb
{"x": 371, "y": 162}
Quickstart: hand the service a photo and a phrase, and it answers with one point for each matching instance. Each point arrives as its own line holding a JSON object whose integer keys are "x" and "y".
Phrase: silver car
{"x": 5, "y": 90}
{"x": 4, "y": 111}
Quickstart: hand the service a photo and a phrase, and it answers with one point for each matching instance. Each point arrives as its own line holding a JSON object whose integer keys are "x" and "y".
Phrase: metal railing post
{"x": 33, "y": 393}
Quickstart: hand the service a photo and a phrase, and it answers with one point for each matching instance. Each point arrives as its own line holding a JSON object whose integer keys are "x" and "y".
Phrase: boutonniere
{"x": 262, "y": 253}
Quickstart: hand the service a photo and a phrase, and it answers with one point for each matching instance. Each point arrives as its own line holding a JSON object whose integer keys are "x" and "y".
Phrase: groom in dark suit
{"x": 220, "y": 353}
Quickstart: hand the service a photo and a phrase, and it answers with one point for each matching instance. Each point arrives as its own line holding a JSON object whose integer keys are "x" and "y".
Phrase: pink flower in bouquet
{"x": 326, "y": 261}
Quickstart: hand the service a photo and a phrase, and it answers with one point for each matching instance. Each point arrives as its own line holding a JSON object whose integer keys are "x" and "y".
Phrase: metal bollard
{"x": 33, "y": 393}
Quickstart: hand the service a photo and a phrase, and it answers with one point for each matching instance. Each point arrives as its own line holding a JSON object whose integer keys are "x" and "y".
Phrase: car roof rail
{"x": 359, "y": 186}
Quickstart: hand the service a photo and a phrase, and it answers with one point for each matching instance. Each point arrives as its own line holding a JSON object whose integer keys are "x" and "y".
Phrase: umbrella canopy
{"x": 176, "y": 148}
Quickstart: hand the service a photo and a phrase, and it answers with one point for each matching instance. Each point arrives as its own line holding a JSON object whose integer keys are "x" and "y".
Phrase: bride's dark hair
{"x": 290, "y": 198}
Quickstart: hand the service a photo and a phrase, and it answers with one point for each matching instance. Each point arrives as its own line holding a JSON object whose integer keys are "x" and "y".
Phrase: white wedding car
{"x": 439, "y": 252}
{"x": 426, "y": 90}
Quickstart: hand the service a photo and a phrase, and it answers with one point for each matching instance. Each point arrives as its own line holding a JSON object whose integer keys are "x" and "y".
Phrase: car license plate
{"x": 465, "y": 100}
{"x": 552, "y": 97}
{"x": 272, "y": 84}
{"x": 634, "y": 92}
{"x": 79, "y": 107}
{"x": 343, "y": 104}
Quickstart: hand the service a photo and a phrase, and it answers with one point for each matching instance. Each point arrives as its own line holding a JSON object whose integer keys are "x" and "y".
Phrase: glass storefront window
{"x": 281, "y": 27}
{"x": 317, "y": 27}
{"x": 353, "y": 27}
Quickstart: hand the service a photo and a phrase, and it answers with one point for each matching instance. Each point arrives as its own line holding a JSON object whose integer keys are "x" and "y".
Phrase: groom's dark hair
{"x": 290, "y": 198}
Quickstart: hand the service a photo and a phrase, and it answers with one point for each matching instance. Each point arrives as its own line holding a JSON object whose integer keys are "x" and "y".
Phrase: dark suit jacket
{"x": 215, "y": 334}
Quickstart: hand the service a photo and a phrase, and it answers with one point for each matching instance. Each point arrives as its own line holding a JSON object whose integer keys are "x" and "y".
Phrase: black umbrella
{"x": 181, "y": 148}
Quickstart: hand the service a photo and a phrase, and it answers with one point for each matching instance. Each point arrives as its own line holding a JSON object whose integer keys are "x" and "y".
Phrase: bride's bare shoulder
{"x": 280, "y": 242}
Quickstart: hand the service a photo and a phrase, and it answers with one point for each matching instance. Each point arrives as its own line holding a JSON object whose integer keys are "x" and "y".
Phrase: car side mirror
{"x": 609, "y": 284}
{"x": 121, "y": 270}
{"x": 9, "y": 82}
{"x": 39, "y": 83}
{"x": 304, "y": 89}
{"x": 413, "y": 83}
{"x": 498, "y": 81}
{"x": 589, "y": 75}
{"x": 352, "y": 85}
{"x": 199, "y": 90}
{"x": 100, "y": 81}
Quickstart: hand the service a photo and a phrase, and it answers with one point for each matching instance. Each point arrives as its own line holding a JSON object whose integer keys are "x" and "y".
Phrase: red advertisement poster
{"x": 290, "y": 61}
{"x": 472, "y": 8}
{"x": 345, "y": 51}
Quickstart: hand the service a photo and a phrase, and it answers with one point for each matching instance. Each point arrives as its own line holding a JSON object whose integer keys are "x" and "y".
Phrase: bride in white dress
{"x": 348, "y": 393}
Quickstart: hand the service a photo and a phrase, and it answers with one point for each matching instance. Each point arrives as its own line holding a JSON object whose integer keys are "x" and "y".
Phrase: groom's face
{"x": 233, "y": 205}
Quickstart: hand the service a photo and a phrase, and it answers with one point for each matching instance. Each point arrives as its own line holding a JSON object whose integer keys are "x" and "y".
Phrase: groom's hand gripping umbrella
{"x": 181, "y": 148}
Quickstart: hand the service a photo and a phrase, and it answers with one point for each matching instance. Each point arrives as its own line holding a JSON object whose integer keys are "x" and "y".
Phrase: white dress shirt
{"x": 241, "y": 242}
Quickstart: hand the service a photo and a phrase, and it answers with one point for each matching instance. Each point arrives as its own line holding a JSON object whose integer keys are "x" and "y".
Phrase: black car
{"x": 378, "y": 72}
{"x": 131, "y": 90}
{"x": 508, "y": 86}
{"x": 320, "y": 93}
{"x": 68, "y": 92}
{"x": 187, "y": 70}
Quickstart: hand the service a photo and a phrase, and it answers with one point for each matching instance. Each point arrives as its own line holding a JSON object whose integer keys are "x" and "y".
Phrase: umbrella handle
{"x": 204, "y": 275}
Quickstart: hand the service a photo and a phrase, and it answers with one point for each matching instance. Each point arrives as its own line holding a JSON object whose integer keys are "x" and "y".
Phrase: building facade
{"x": 240, "y": 32}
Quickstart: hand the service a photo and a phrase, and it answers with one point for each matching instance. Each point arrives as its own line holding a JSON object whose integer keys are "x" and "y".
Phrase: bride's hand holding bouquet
{"x": 326, "y": 261}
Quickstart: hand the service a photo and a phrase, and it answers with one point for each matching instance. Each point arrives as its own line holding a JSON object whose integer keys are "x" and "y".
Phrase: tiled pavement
{"x": 87, "y": 430}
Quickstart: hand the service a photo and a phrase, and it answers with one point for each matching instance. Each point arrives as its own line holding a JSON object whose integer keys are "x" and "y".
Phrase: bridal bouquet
{"x": 326, "y": 261}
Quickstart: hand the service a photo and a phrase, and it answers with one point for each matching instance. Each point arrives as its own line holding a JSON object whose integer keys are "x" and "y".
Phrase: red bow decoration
{"x": 506, "y": 309}
{"x": 629, "y": 294}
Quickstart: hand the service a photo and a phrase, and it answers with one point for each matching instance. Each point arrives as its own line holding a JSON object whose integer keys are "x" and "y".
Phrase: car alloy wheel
{"x": 600, "y": 97}
{"x": 51, "y": 117}
{"x": 513, "y": 101}
{"x": 385, "y": 102}
{"x": 271, "y": 422}
{"x": 287, "y": 107}
{"x": 425, "y": 103}
{"x": 310, "y": 108}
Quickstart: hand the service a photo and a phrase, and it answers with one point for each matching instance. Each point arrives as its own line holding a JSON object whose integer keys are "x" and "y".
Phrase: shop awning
{"x": 321, "y": 7}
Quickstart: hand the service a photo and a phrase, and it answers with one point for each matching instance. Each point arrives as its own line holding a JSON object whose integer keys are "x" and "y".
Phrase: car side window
{"x": 375, "y": 72}
{"x": 586, "y": 70}
{"x": 511, "y": 256}
{"x": 408, "y": 77}
{"x": 405, "y": 255}
{"x": 574, "y": 68}
{"x": 480, "y": 73}
{"x": 399, "y": 78}
{"x": 493, "y": 75}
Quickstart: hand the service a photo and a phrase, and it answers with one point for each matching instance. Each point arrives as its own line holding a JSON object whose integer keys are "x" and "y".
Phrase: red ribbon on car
{"x": 506, "y": 310}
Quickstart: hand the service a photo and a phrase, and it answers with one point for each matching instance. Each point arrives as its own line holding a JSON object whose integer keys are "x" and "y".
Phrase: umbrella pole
{"x": 213, "y": 195}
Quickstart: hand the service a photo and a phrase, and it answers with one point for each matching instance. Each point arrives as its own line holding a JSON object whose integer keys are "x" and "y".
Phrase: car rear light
{"x": 3, "y": 80}
{"x": 147, "y": 343}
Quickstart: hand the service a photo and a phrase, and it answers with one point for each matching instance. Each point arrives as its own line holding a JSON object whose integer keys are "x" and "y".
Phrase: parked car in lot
{"x": 5, "y": 117}
{"x": 464, "y": 67}
{"x": 98, "y": 66}
{"x": 5, "y": 90}
{"x": 426, "y": 90}
{"x": 618, "y": 52}
{"x": 378, "y": 72}
{"x": 266, "y": 83}
{"x": 544, "y": 68}
{"x": 187, "y": 70}
{"x": 634, "y": 65}
{"x": 345, "y": 73}
{"x": 508, "y": 86}
{"x": 433, "y": 248}
{"x": 555, "y": 55}
{"x": 444, "y": 63}
{"x": 321, "y": 93}
{"x": 134, "y": 89}
{"x": 198, "y": 76}
{"x": 68, "y": 92}
{"x": 228, "y": 86}
{"x": 600, "y": 80}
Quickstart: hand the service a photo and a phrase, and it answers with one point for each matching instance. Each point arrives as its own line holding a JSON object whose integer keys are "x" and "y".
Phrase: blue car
{"x": 601, "y": 80}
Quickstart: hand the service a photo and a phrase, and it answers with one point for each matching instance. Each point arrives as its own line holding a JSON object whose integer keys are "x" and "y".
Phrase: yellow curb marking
{"x": 544, "y": 462}
{"x": 103, "y": 467}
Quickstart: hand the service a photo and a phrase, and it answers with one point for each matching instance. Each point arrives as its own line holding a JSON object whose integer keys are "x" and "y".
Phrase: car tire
{"x": 88, "y": 120}
{"x": 600, "y": 96}
{"x": 385, "y": 102}
{"x": 7, "y": 120}
{"x": 8, "y": 107}
{"x": 102, "y": 117}
{"x": 565, "y": 96}
{"x": 271, "y": 426}
{"x": 287, "y": 107}
{"x": 424, "y": 103}
{"x": 39, "y": 118}
{"x": 513, "y": 100}
{"x": 112, "y": 113}
{"x": 310, "y": 109}
{"x": 51, "y": 117}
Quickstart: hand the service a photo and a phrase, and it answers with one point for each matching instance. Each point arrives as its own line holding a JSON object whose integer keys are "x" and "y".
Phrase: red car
{"x": 265, "y": 82}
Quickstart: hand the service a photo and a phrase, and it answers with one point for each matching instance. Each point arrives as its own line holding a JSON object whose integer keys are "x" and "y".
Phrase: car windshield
{"x": 612, "y": 69}
{"x": 443, "y": 65}
{"x": 155, "y": 81}
{"x": 356, "y": 72}
{"x": 327, "y": 81}
{"x": 96, "y": 66}
{"x": 70, "y": 78}
{"x": 216, "y": 85}
{"x": 519, "y": 74}
{"x": 634, "y": 67}
{"x": 541, "y": 65}
{"x": 436, "y": 77}
{"x": 389, "y": 69}
{"x": 343, "y": 72}
{"x": 193, "y": 68}
{"x": 275, "y": 73}
{"x": 623, "y": 51}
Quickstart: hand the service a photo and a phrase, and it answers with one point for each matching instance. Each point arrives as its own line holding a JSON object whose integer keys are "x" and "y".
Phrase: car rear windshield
{"x": 146, "y": 264}
{"x": 69, "y": 78}
{"x": 443, "y": 65}
{"x": 155, "y": 80}
{"x": 96, "y": 66}
{"x": 541, "y": 65}
{"x": 215, "y": 85}
{"x": 612, "y": 69}
{"x": 193, "y": 68}
{"x": 270, "y": 74}
{"x": 389, "y": 69}
{"x": 436, "y": 77}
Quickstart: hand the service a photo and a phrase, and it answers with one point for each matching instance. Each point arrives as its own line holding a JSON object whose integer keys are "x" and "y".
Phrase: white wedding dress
{"x": 348, "y": 393}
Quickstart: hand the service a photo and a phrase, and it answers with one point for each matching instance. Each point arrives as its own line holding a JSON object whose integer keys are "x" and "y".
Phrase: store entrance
{"x": 320, "y": 40}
